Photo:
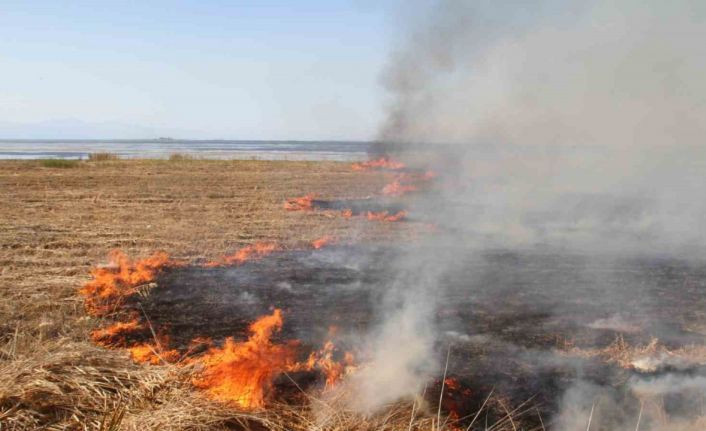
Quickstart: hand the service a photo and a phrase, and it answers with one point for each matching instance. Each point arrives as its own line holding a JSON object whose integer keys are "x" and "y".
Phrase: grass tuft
{"x": 102, "y": 156}
{"x": 180, "y": 157}
{"x": 59, "y": 163}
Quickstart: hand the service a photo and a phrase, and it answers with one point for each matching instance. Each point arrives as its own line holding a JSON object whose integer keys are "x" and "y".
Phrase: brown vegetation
{"x": 55, "y": 224}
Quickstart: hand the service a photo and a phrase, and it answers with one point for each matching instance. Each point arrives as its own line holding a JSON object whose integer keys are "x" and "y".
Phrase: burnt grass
{"x": 502, "y": 315}
{"x": 360, "y": 206}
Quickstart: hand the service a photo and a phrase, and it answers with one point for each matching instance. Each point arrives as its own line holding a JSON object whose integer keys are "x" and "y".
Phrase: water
{"x": 163, "y": 148}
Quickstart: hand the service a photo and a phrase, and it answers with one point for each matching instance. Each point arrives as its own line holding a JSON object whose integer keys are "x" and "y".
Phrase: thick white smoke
{"x": 572, "y": 124}
{"x": 563, "y": 105}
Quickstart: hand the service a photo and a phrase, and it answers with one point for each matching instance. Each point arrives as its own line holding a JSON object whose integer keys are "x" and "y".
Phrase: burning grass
{"x": 144, "y": 377}
{"x": 383, "y": 162}
{"x": 242, "y": 373}
{"x": 57, "y": 223}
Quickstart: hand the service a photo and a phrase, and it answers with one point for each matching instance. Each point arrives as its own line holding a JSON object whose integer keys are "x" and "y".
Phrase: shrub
{"x": 179, "y": 157}
{"x": 59, "y": 163}
{"x": 102, "y": 156}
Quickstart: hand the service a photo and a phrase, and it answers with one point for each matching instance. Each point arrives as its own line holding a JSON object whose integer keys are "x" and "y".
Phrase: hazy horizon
{"x": 253, "y": 71}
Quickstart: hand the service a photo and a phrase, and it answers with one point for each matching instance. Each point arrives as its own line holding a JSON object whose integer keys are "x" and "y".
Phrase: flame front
{"x": 119, "y": 279}
{"x": 333, "y": 370}
{"x": 154, "y": 353}
{"x": 379, "y": 163}
{"x": 396, "y": 188}
{"x": 322, "y": 242}
{"x": 242, "y": 373}
{"x": 257, "y": 250}
{"x": 386, "y": 216}
{"x": 304, "y": 203}
{"x": 238, "y": 373}
{"x": 406, "y": 182}
{"x": 115, "y": 334}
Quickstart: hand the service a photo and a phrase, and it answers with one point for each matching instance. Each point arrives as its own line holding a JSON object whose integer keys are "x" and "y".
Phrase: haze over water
{"x": 208, "y": 149}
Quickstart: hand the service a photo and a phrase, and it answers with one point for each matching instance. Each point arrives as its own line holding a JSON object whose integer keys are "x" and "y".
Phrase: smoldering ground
{"x": 558, "y": 129}
{"x": 507, "y": 317}
{"x": 567, "y": 216}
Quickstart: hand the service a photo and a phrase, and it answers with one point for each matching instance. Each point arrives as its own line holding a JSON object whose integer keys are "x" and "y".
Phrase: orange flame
{"x": 385, "y": 216}
{"x": 379, "y": 163}
{"x": 407, "y": 182}
{"x": 253, "y": 251}
{"x": 114, "y": 334}
{"x": 347, "y": 213}
{"x": 451, "y": 383}
{"x": 322, "y": 242}
{"x": 154, "y": 353}
{"x": 119, "y": 279}
{"x": 396, "y": 188}
{"x": 242, "y": 373}
{"x": 333, "y": 370}
{"x": 304, "y": 203}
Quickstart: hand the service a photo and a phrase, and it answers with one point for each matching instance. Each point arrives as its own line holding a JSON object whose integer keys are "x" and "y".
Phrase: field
{"x": 530, "y": 339}
{"x": 58, "y": 221}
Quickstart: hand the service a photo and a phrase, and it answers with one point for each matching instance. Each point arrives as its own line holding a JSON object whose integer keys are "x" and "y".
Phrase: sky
{"x": 192, "y": 69}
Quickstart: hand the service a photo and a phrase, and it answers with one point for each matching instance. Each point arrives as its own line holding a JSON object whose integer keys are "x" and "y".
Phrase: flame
{"x": 451, "y": 383}
{"x": 304, "y": 203}
{"x": 383, "y": 162}
{"x": 242, "y": 373}
{"x": 407, "y": 182}
{"x": 396, "y": 188}
{"x": 119, "y": 279}
{"x": 322, "y": 242}
{"x": 386, "y": 216}
{"x": 333, "y": 370}
{"x": 238, "y": 373}
{"x": 347, "y": 213}
{"x": 253, "y": 251}
{"x": 114, "y": 334}
{"x": 154, "y": 353}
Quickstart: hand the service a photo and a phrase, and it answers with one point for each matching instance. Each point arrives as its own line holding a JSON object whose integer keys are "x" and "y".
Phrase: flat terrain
{"x": 56, "y": 223}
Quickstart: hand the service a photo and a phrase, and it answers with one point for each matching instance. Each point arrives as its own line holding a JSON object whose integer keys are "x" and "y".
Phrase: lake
{"x": 163, "y": 148}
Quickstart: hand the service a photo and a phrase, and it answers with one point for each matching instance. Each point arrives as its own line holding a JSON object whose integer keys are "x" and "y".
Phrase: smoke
{"x": 400, "y": 350}
{"x": 643, "y": 407}
{"x": 562, "y": 125}
{"x": 560, "y": 108}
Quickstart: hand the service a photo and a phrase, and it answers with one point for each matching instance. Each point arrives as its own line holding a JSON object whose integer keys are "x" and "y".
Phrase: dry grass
{"x": 59, "y": 163}
{"x": 647, "y": 357}
{"x": 102, "y": 156}
{"x": 180, "y": 157}
{"x": 55, "y": 224}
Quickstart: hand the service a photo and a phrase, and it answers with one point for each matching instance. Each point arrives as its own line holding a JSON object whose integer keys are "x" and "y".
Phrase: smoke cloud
{"x": 562, "y": 125}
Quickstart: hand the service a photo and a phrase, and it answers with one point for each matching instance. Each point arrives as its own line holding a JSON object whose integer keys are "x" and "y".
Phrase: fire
{"x": 347, "y": 213}
{"x": 451, "y": 383}
{"x": 407, "y": 182}
{"x": 333, "y": 370}
{"x": 115, "y": 334}
{"x": 322, "y": 242}
{"x": 155, "y": 353}
{"x": 242, "y": 373}
{"x": 119, "y": 279}
{"x": 142, "y": 353}
{"x": 386, "y": 216}
{"x": 379, "y": 163}
{"x": 254, "y": 251}
{"x": 304, "y": 203}
{"x": 396, "y": 188}
{"x": 238, "y": 373}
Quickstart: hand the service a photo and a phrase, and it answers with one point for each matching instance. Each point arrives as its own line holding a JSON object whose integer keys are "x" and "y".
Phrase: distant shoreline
{"x": 28, "y": 149}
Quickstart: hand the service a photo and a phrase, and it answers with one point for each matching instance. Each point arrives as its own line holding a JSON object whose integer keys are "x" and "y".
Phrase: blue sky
{"x": 196, "y": 69}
